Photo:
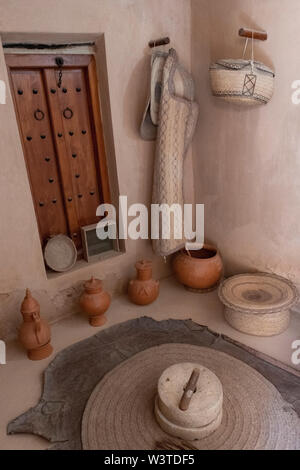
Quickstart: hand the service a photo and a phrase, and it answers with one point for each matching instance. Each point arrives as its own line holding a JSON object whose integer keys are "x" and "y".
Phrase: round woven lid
{"x": 60, "y": 253}
{"x": 120, "y": 412}
{"x": 258, "y": 293}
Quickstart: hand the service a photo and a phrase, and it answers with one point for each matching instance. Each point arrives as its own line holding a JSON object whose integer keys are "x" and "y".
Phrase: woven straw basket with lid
{"x": 240, "y": 81}
{"x": 258, "y": 304}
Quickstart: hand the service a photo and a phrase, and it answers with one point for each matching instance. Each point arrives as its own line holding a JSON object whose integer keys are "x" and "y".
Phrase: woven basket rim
{"x": 266, "y": 311}
{"x": 238, "y": 65}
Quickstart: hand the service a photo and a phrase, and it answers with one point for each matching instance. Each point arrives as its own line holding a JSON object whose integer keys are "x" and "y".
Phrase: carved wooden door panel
{"x": 41, "y": 159}
{"x": 75, "y": 147}
{"x": 66, "y": 166}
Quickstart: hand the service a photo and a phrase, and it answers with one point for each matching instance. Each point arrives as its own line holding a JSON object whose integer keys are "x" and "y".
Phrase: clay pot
{"x": 34, "y": 334}
{"x": 200, "y": 270}
{"x": 143, "y": 290}
{"x": 95, "y": 301}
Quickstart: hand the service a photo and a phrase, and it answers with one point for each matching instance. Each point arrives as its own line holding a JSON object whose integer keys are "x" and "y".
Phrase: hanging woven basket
{"x": 240, "y": 81}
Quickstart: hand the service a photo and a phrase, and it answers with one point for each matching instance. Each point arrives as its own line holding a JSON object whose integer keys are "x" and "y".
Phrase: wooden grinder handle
{"x": 189, "y": 390}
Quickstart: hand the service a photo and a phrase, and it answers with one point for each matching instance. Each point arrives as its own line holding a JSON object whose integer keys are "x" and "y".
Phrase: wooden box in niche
{"x": 93, "y": 247}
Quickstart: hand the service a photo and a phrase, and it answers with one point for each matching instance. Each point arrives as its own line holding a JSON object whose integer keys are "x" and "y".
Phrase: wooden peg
{"x": 249, "y": 33}
{"x": 189, "y": 390}
{"x": 159, "y": 42}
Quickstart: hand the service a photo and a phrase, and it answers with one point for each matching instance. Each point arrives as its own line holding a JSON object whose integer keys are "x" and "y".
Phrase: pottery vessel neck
{"x": 94, "y": 286}
{"x": 30, "y": 308}
{"x": 144, "y": 270}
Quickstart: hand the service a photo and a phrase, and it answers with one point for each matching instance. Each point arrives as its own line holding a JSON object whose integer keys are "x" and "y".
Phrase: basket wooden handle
{"x": 189, "y": 390}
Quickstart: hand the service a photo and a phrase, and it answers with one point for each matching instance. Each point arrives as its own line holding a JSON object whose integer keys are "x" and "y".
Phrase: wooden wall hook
{"x": 249, "y": 33}
{"x": 159, "y": 42}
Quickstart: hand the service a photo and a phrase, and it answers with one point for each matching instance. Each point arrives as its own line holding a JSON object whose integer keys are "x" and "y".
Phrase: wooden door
{"x": 41, "y": 158}
{"x": 61, "y": 131}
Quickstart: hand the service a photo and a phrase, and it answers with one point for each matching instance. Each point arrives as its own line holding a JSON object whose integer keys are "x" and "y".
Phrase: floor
{"x": 21, "y": 379}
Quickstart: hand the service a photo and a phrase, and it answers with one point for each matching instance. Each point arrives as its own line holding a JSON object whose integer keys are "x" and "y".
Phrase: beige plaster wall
{"x": 128, "y": 25}
{"x": 247, "y": 161}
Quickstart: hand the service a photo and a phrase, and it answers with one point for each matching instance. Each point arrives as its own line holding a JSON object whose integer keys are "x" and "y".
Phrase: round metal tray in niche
{"x": 60, "y": 253}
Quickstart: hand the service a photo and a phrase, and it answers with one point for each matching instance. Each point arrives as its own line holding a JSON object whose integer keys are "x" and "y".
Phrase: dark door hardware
{"x": 59, "y": 62}
{"x": 68, "y": 113}
{"x": 39, "y": 115}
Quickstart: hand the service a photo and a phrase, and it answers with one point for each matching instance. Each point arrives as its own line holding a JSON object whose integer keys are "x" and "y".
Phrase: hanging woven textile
{"x": 173, "y": 89}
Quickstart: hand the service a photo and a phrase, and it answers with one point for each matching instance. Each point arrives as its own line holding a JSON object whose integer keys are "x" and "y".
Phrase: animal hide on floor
{"x": 74, "y": 373}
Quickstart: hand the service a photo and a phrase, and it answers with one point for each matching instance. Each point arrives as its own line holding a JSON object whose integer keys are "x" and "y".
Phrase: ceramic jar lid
{"x": 258, "y": 293}
{"x": 206, "y": 403}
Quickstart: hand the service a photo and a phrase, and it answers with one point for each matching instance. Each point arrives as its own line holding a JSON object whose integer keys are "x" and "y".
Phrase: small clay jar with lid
{"x": 34, "y": 334}
{"x": 95, "y": 302}
{"x": 143, "y": 290}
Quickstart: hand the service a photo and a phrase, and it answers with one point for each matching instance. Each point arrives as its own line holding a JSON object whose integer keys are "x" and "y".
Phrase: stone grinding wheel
{"x": 204, "y": 412}
{"x": 120, "y": 413}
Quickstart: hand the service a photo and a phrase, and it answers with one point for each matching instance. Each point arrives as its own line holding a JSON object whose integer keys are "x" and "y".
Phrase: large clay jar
{"x": 143, "y": 290}
{"x": 95, "y": 301}
{"x": 200, "y": 270}
{"x": 34, "y": 334}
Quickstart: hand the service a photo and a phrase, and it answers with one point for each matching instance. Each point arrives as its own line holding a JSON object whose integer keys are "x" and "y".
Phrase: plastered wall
{"x": 247, "y": 161}
{"x": 127, "y": 26}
